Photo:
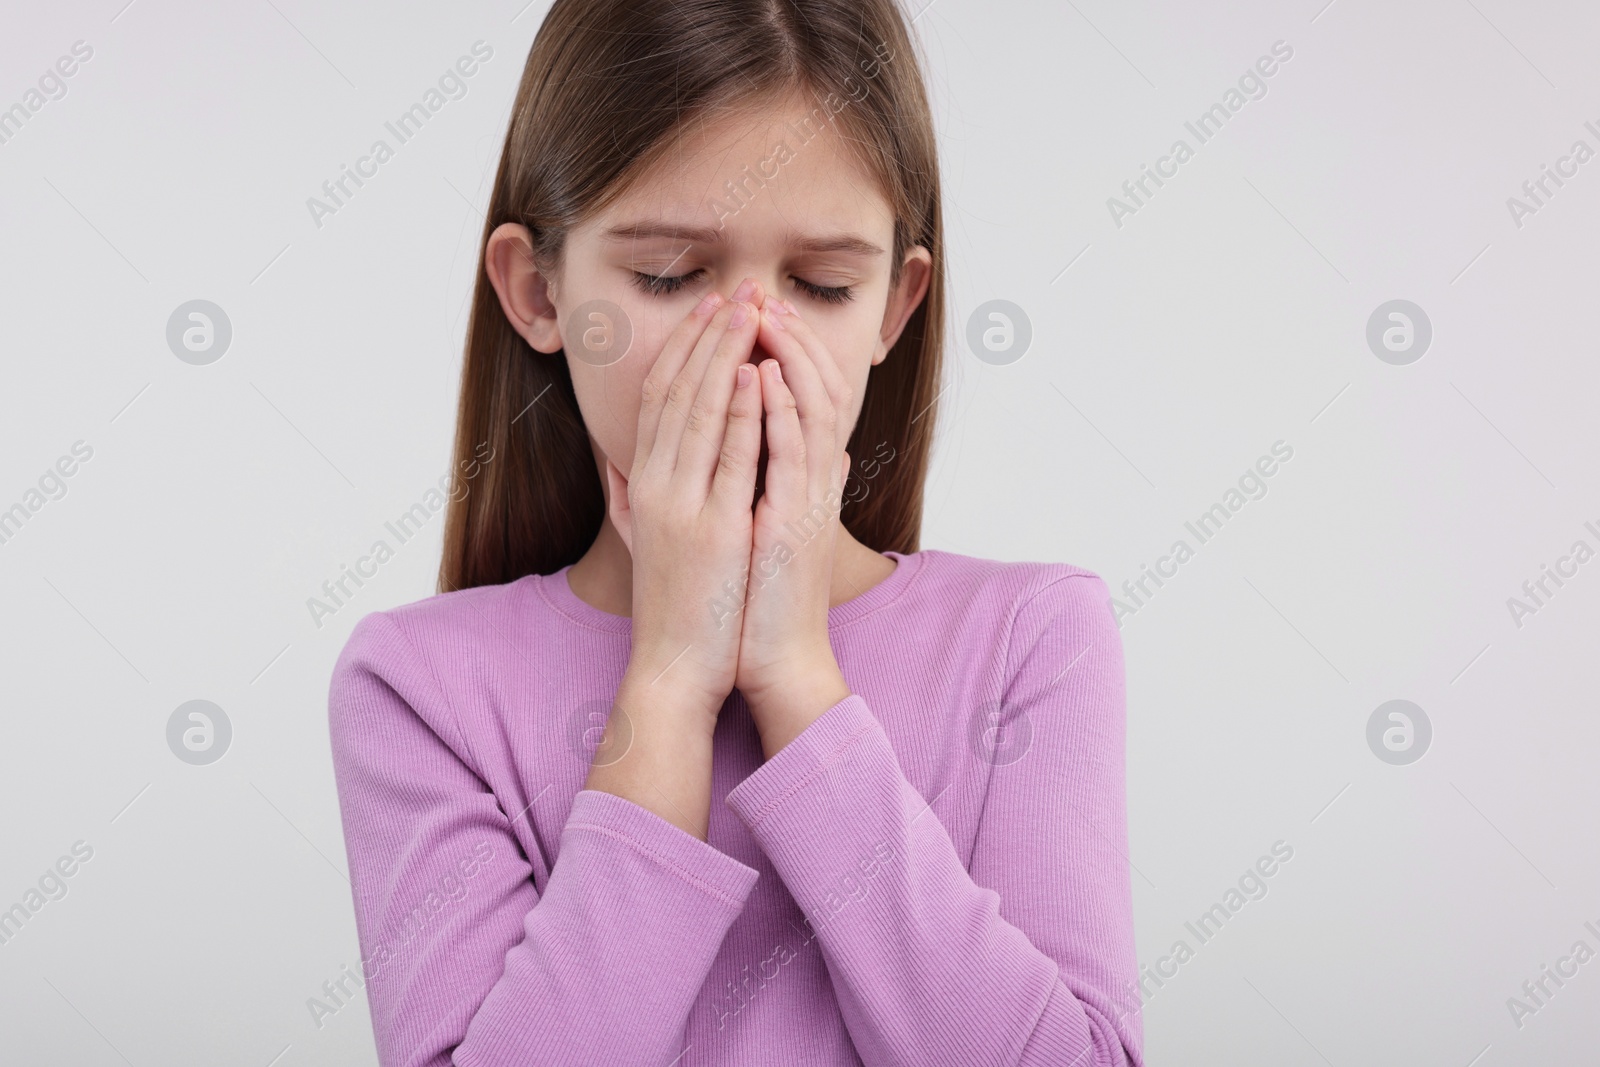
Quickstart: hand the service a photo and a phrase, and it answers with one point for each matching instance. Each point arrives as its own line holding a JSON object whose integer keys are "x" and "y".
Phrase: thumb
{"x": 617, "y": 503}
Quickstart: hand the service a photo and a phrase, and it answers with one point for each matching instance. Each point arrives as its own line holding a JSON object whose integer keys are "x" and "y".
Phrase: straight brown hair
{"x": 606, "y": 86}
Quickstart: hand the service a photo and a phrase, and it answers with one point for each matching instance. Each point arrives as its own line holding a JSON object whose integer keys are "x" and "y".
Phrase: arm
{"x": 465, "y": 962}
{"x": 1026, "y": 960}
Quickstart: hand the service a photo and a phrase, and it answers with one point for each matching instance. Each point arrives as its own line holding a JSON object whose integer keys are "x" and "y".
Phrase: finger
{"x": 821, "y": 354}
{"x": 701, "y": 443}
{"x": 680, "y": 394}
{"x": 819, "y": 418}
{"x": 786, "y": 446}
{"x": 675, "y": 353}
{"x": 734, "y": 483}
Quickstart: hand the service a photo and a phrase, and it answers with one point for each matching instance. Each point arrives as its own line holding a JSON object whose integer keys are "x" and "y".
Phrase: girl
{"x": 696, "y": 758}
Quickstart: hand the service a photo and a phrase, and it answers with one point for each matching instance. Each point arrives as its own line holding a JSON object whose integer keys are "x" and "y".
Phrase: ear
{"x": 525, "y": 293}
{"x": 915, "y": 274}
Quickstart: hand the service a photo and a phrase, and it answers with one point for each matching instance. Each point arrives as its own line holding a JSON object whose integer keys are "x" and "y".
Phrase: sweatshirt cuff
{"x": 802, "y": 759}
{"x": 679, "y": 852}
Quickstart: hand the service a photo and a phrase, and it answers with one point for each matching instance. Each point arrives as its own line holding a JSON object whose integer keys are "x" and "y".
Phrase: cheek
{"x": 852, "y": 350}
{"x": 609, "y": 396}
{"x": 852, "y": 346}
{"x": 617, "y": 429}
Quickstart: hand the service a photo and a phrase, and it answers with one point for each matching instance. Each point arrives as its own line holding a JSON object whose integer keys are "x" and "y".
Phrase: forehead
{"x": 758, "y": 171}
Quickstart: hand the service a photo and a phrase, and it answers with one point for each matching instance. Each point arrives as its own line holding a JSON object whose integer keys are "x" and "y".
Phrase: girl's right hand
{"x": 684, "y": 509}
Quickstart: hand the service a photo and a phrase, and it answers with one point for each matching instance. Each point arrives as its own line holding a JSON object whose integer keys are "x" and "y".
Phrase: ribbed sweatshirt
{"x": 934, "y": 872}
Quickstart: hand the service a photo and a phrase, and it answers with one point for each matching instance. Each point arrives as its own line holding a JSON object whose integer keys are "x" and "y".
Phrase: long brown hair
{"x": 606, "y": 85}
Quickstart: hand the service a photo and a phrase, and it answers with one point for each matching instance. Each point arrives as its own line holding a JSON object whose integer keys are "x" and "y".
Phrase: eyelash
{"x": 659, "y": 285}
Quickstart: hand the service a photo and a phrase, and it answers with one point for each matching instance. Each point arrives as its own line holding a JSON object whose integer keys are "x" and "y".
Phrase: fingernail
{"x": 775, "y": 316}
{"x": 745, "y": 374}
{"x": 777, "y": 370}
{"x": 788, "y": 305}
{"x": 746, "y": 290}
{"x": 740, "y": 313}
{"x": 711, "y": 302}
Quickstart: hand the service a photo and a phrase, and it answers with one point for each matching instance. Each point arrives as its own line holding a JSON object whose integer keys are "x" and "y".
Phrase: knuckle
{"x": 731, "y": 462}
{"x": 650, "y": 393}
{"x": 677, "y": 392}
{"x": 699, "y": 419}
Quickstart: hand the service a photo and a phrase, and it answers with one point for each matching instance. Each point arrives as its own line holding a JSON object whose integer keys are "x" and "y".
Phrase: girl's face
{"x": 747, "y": 195}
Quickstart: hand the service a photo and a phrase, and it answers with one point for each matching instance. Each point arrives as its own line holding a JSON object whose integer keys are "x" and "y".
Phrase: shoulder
{"x": 414, "y": 651}
{"x": 1034, "y": 614}
{"x": 427, "y": 626}
{"x": 396, "y": 687}
{"x": 1009, "y": 590}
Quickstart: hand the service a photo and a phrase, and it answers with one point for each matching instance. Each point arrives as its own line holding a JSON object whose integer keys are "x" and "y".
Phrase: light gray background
{"x": 1168, "y": 354}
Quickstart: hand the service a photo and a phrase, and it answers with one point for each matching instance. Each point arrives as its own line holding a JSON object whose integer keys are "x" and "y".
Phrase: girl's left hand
{"x": 787, "y": 670}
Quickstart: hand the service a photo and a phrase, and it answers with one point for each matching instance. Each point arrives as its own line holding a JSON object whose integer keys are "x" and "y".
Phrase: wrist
{"x": 659, "y": 762}
{"x": 783, "y": 707}
{"x": 786, "y": 672}
{"x": 648, "y": 693}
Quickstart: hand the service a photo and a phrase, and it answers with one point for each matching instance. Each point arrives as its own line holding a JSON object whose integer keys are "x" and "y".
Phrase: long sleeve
{"x": 1028, "y": 958}
{"x": 464, "y": 961}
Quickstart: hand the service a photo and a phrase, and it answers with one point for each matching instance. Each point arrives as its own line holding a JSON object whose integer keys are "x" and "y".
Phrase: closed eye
{"x": 665, "y": 285}
{"x": 659, "y": 285}
{"x": 831, "y": 294}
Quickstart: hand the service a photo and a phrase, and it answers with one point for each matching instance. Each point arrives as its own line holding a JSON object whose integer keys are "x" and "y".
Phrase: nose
{"x": 750, "y": 289}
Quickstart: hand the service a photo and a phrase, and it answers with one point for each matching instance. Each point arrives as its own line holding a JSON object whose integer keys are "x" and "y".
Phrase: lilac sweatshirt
{"x": 933, "y": 873}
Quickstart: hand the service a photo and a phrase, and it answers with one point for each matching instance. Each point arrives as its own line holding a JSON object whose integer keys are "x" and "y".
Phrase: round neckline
{"x": 557, "y": 592}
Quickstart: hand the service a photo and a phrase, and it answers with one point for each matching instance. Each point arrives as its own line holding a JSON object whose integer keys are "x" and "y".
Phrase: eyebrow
{"x": 849, "y": 243}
